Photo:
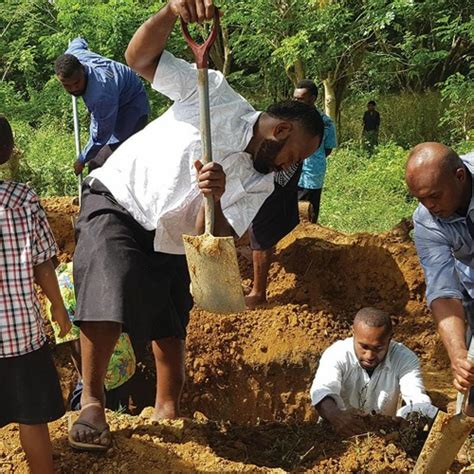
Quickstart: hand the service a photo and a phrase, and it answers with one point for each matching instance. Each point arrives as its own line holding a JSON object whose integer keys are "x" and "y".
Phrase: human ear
{"x": 282, "y": 130}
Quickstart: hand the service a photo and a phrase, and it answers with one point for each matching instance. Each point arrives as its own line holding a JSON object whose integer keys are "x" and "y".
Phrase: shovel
{"x": 447, "y": 435}
{"x": 212, "y": 261}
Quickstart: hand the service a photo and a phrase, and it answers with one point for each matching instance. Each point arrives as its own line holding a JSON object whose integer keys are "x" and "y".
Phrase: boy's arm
{"x": 149, "y": 41}
{"x": 45, "y": 277}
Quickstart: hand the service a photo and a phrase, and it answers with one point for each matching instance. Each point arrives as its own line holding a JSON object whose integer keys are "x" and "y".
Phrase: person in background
{"x": 314, "y": 167}
{"x": 122, "y": 363}
{"x": 277, "y": 217}
{"x": 30, "y": 394}
{"x": 368, "y": 373}
{"x": 371, "y": 126}
{"x": 113, "y": 94}
{"x": 442, "y": 182}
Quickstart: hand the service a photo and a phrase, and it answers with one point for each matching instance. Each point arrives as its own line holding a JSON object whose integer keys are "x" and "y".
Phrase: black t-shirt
{"x": 371, "y": 120}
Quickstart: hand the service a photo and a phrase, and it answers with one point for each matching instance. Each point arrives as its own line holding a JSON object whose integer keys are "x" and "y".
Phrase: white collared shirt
{"x": 152, "y": 174}
{"x": 341, "y": 377}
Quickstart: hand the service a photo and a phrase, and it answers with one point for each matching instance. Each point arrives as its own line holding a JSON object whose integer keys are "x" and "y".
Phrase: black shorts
{"x": 277, "y": 217}
{"x": 118, "y": 277}
{"x": 30, "y": 393}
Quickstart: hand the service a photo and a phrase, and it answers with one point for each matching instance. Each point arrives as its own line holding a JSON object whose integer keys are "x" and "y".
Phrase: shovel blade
{"x": 214, "y": 271}
{"x": 447, "y": 435}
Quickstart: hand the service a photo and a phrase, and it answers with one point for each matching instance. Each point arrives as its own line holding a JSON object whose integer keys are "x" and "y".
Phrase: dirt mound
{"x": 251, "y": 372}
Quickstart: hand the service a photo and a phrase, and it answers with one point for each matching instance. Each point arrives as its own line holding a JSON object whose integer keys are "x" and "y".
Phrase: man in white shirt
{"x": 368, "y": 373}
{"x": 129, "y": 264}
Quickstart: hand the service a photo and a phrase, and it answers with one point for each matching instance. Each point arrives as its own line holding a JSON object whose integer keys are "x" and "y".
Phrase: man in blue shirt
{"x": 314, "y": 167}
{"x": 113, "y": 94}
{"x": 444, "y": 239}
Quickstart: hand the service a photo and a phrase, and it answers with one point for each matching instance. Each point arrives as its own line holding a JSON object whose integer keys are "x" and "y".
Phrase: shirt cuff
{"x": 318, "y": 395}
{"x": 448, "y": 294}
{"x": 45, "y": 255}
{"x": 425, "y": 408}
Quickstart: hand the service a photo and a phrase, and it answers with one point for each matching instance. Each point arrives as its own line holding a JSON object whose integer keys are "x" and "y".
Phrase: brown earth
{"x": 249, "y": 374}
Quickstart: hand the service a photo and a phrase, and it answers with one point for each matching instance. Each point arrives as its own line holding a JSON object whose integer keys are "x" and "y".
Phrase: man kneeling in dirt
{"x": 367, "y": 373}
{"x": 129, "y": 265}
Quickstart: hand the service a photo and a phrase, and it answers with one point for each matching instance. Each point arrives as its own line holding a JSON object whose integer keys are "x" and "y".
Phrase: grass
{"x": 365, "y": 193}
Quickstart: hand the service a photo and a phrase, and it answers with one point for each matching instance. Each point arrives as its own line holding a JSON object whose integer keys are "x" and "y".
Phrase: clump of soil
{"x": 250, "y": 373}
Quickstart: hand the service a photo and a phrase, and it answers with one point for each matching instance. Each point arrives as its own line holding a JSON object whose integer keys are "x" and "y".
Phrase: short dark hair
{"x": 372, "y": 102}
{"x": 374, "y": 318}
{"x": 308, "y": 84}
{"x": 295, "y": 111}
{"x": 6, "y": 140}
{"x": 67, "y": 65}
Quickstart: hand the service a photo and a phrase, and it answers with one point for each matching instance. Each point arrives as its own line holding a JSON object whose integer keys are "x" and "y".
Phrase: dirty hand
{"x": 193, "y": 11}
{"x": 463, "y": 371}
{"x": 59, "y": 315}
{"x": 78, "y": 167}
{"x": 347, "y": 424}
{"x": 211, "y": 179}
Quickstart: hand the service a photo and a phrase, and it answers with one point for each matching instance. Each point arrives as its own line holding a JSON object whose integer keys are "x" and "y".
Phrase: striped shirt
{"x": 26, "y": 241}
{"x": 283, "y": 177}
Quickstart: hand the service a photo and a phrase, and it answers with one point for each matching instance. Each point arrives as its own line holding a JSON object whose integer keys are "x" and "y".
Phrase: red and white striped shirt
{"x": 26, "y": 240}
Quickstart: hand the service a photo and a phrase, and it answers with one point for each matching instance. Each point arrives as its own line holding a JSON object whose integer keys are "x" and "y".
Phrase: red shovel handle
{"x": 201, "y": 51}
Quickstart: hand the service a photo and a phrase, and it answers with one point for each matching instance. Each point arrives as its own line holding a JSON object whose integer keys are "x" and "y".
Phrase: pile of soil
{"x": 248, "y": 374}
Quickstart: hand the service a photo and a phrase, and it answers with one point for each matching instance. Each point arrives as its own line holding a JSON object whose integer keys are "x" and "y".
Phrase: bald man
{"x": 444, "y": 238}
{"x": 368, "y": 373}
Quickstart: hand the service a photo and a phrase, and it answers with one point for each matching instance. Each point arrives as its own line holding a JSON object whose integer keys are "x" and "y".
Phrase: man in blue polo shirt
{"x": 113, "y": 94}
{"x": 314, "y": 167}
{"x": 444, "y": 239}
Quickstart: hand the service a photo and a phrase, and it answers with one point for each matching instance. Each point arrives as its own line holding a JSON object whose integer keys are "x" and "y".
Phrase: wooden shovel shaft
{"x": 201, "y": 55}
{"x": 206, "y": 147}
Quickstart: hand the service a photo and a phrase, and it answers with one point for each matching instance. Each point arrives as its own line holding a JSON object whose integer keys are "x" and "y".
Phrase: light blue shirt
{"x": 446, "y": 249}
{"x": 114, "y": 96}
{"x": 314, "y": 167}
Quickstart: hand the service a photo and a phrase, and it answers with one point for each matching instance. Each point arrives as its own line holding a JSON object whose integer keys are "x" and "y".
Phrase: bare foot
{"x": 163, "y": 414}
{"x": 90, "y": 428}
{"x": 252, "y": 300}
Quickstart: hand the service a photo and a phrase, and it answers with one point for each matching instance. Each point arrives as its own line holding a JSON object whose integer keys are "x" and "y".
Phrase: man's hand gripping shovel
{"x": 212, "y": 261}
{"x": 448, "y": 433}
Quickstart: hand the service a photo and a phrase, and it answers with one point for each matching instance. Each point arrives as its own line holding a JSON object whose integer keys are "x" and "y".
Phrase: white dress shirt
{"x": 152, "y": 174}
{"x": 341, "y": 377}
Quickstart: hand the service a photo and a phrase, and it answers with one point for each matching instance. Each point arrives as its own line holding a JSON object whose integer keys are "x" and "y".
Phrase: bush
{"x": 363, "y": 193}
{"x": 47, "y": 156}
{"x": 406, "y": 118}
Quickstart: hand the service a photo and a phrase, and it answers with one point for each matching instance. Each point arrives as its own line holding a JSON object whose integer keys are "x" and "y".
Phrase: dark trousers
{"x": 314, "y": 198}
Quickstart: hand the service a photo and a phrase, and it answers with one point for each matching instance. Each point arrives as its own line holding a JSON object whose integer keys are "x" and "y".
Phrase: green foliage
{"x": 47, "y": 158}
{"x": 458, "y": 95}
{"x": 363, "y": 193}
{"x": 406, "y": 118}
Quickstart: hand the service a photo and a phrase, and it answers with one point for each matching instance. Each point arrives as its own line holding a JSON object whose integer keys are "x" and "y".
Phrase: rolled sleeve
{"x": 175, "y": 78}
{"x": 328, "y": 379}
{"x": 438, "y": 263}
{"x": 43, "y": 246}
{"x": 240, "y": 204}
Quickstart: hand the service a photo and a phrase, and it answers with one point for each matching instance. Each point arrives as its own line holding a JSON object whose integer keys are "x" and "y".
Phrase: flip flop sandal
{"x": 91, "y": 447}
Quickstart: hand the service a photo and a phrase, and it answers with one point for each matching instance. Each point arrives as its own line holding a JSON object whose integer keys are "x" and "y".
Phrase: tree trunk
{"x": 330, "y": 100}
{"x": 220, "y": 53}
